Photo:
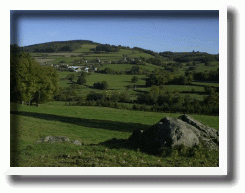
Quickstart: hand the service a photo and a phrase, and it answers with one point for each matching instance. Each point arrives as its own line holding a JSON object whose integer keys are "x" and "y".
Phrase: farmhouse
{"x": 74, "y": 68}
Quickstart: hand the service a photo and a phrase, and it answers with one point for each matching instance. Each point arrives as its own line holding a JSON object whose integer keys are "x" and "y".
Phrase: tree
{"x": 30, "y": 82}
{"x": 83, "y": 74}
{"x": 136, "y": 70}
{"x": 105, "y": 85}
{"x": 48, "y": 83}
{"x": 159, "y": 78}
{"x": 101, "y": 85}
{"x": 134, "y": 79}
{"x": 207, "y": 63}
{"x": 71, "y": 77}
{"x": 209, "y": 90}
{"x": 81, "y": 80}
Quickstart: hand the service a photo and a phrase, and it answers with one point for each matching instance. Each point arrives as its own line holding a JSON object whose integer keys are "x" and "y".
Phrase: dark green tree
{"x": 105, "y": 85}
{"x": 81, "y": 80}
{"x": 134, "y": 79}
{"x": 30, "y": 82}
{"x": 71, "y": 77}
{"x": 101, "y": 85}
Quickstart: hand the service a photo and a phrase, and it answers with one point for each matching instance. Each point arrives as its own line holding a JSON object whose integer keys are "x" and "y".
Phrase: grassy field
{"x": 121, "y": 83}
{"x": 94, "y": 127}
{"x": 85, "y": 48}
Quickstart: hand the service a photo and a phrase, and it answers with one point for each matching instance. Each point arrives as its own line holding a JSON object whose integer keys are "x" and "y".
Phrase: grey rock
{"x": 58, "y": 139}
{"x": 205, "y": 131}
{"x": 54, "y": 139}
{"x": 170, "y": 132}
{"x": 76, "y": 142}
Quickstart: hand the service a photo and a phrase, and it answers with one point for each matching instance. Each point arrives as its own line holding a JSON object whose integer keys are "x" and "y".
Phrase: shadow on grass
{"x": 94, "y": 123}
{"x": 194, "y": 92}
{"x": 115, "y": 143}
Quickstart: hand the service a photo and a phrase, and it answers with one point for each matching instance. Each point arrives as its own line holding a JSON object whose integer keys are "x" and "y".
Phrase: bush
{"x": 81, "y": 80}
{"x": 67, "y": 94}
{"x": 134, "y": 79}
{"x": 209, "y": 90}
{"x": 101, "y": 85}
{"x": 70, "y": 77}
{"x": 75, "y": 86}
{"x": 93, "y": 96}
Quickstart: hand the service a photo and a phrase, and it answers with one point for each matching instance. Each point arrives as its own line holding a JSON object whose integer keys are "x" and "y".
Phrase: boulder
{"x": 76, "y": 142}
{"x": 171, "y": 132}
{"x": 53, "y": 139}
{"x": 58, "y": 139}
{"x": 136, "y": 136}
{"x": 206, "y": 133}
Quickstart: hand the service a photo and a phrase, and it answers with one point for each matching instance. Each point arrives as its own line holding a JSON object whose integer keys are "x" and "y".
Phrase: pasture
{"x": 94, "y": 127}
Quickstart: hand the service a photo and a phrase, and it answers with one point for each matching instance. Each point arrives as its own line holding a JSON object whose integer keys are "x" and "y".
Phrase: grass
{"x": 94, "y": 127}
{"x": 116, "y": 82}
{"x": 85, "y": 48}
{"x": 117, "y": 67}
{"x": 124, "y": 67}
{"x": 121, "y": 82}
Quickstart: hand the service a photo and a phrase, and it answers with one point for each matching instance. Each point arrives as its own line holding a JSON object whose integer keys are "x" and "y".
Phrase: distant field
{"x": 117, "y": 67}
{"x": 214, "y": 84}
{"x": 65, "y": 56}
{"x": 121, "y": 82}
{"x": 112, "y": 55}
{"x": 116, "y": 82}
{"x": 85, "y": 48}
{"x": 42, "y": 60}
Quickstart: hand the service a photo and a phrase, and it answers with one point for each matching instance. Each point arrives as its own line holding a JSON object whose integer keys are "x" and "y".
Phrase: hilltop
{"x": 165, "y": 81}
{"x": 84, "y": 52}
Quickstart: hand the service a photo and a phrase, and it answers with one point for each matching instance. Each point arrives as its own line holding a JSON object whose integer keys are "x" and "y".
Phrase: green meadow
{"x": 102, "y": 130}
{"x": 94, "y": 127}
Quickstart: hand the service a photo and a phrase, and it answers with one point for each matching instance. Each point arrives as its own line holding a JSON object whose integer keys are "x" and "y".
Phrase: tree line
{"x": 184, "y": 57}
{"x": 106, "y": 48}
{"x": 163, "y": 77}
{"x": 156, "y": 100}
{"x": 58, "y": 46}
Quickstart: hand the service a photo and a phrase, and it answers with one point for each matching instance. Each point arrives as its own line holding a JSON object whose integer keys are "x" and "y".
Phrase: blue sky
{"x": 159, "y": 33}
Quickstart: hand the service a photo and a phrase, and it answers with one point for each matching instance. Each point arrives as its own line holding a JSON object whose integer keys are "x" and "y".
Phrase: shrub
{"x": 75, "y": 86}
{"x": 81, "y": 80}
{"x": 93, "y": 96}
{"x": 101, "y": 85}
{"x": 70, "y": 77}
{"x": 134, "y": 79}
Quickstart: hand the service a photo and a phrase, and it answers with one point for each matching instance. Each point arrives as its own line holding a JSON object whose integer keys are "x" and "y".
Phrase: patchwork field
{"x": 103, "y": 130}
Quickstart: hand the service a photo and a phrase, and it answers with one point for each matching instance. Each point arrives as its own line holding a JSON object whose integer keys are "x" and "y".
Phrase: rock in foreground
{"x": 58, "y": 139}
{"x": 171, "y": 132}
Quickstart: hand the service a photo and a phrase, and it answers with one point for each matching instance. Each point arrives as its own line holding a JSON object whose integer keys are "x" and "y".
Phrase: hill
{"x": 189, "y": 76}
{"x": 141, "y": 88}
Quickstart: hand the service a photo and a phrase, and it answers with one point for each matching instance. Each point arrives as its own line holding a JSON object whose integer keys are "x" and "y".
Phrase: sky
{"x": 158, "y": 31}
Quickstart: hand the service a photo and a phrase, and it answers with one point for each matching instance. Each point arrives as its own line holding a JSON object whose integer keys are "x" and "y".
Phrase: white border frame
{"x": 221, "y": 170}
